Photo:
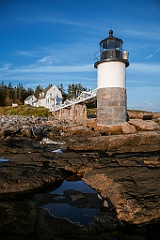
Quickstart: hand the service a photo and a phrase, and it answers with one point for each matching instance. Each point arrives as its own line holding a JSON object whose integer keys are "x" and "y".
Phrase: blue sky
{"x": 50, "y": 41}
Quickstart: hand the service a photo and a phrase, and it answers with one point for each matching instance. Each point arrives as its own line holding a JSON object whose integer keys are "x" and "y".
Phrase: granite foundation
{"x": 111, "y": 106}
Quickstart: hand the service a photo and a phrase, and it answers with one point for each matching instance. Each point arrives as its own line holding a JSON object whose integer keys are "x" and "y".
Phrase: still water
{"x": 73, "y": 213}
{"x": 4, "y": 160}
{"x": 76, "y": 185}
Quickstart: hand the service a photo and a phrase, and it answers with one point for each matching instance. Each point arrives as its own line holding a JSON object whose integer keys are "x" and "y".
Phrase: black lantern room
{"x": 111, "y": 49}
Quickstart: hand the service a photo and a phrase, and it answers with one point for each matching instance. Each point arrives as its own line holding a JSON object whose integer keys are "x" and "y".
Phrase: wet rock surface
{"x": 118, "y": 166}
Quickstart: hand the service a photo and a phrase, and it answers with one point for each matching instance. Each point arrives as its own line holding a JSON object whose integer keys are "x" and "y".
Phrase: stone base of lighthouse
{"x": 111, "y": 106}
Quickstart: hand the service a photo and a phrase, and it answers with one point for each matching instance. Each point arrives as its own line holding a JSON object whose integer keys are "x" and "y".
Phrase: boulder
{"x": 91, "y": 123}
{"x": 10, "y": 132}
{"x": 134, "y": 193}
{"x": 133, "y": 114}
{"x": 135, "y": 142}
{"x": 144, "y": 124}
{"x": 26, "y": 131}
{"x": 148, "y": 117}
{"x": 1, "y": 132}
{"x": 107, "y": 130}
{"x": 40, "y": 131}
{"x": 128, "y": 128}
{"x": 74, "y": 130}
{"x": 18, "y": 218}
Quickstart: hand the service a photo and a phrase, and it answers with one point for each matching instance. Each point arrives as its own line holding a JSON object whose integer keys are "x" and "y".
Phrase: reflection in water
{"x": 57, "y": 151}
{"x": 4, "y": 160}
{"x": 76, "y": 185}
{"x": 75, "y": 214}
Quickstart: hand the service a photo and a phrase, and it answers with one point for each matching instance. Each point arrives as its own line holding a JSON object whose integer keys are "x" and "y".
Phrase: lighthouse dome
{"x": 111, "y": 49}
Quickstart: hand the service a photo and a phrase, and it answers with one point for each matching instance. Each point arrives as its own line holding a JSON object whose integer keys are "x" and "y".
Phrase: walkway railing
{"x": 84, "y": 96}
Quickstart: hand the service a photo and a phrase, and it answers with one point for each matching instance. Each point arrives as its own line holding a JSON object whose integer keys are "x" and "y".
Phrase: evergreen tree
{"x": 30, "y": 91}
{"x": 2, "y": 94}
{"x": 37, "y": 91}
{"x": 18, "y": 94}
{"x": 20, "y": 91}
{"x": 74, "y": 90}
{"x": 8, "y": 98}
{"x": 61, "y": 89}
{"x": 15, "y": 95}
{"x": 79, "y": 88}
{"x": 69, "y": 92}
{"x": 10, "y": 88}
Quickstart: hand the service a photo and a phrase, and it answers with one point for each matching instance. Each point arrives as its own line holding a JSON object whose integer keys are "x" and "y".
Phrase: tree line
{"x": 17, "y": 94}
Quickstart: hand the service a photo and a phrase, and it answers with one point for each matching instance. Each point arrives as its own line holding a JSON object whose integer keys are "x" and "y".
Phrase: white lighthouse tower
{"x": 111, "y": 62}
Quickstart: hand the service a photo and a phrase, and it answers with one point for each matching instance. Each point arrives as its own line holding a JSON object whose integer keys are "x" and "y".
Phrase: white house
{"x": 49, "y": 98}
{"x": 30, "y": 100}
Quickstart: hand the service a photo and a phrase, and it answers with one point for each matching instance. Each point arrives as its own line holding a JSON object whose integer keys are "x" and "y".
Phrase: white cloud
{"x": 51, "y": 69}
{"x": 71, "y": 54}
{"x": 149, "y": 56}
{"x": 46, "y": 60}
{"x": 144, "y": 68}
{"x": 144, "y": 98}
{"x": 59, "y": 19}
{"x": 144, "y": 31}
{"x": 146, "y": 106}
{"x": 26, "y": 53}
{"x": 5, "y": 67}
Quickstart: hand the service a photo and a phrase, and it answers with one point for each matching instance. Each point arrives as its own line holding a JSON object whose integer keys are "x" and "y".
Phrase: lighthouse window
{"x": 111, "y": 44}
{"x": 118, "y": 45}
{"x": 108, "y": 45}
{"x": 104, "y": 46}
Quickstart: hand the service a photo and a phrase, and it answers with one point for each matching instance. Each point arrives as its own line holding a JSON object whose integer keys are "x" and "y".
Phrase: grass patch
{"x": 138, "y": 111}
{"x": 91, "y": 110}
{"x": 25, "y": 110}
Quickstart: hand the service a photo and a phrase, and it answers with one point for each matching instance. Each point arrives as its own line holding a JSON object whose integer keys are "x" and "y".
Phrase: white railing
{"x": 84, "y": 96}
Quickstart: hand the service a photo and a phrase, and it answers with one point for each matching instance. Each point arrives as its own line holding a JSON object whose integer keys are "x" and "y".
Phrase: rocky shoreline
{"x": 122, "y": 164}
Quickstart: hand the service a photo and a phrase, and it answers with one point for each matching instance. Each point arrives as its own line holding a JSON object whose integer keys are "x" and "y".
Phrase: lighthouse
{"x": 111, "y": 63}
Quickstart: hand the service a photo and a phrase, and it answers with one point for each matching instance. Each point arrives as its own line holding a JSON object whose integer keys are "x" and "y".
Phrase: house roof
{"x": 46, "y": 90}
{"x": 29, "y": 97}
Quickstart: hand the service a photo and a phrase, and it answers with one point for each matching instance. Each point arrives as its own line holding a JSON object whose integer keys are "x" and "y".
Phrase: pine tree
{"x": 74, "y": 90}
{"x": 2, "y": 94}
{"x": 8, "y": 98}
{"x": 37, "y": 91}
{"x": 18, "y": 94}
{"x": 61, "y": 89}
